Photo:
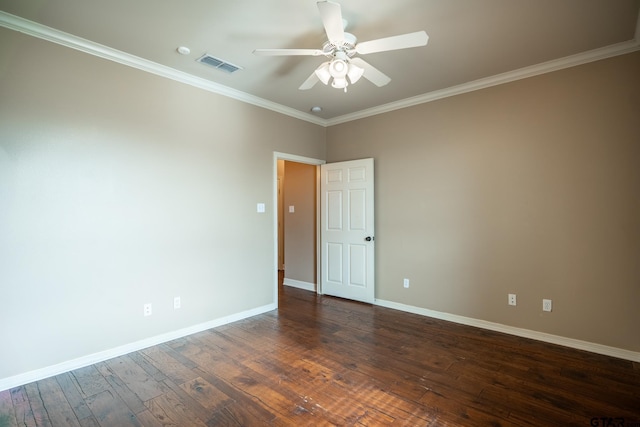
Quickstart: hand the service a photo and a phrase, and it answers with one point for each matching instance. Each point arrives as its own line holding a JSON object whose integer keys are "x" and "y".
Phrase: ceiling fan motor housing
{"x": 347, "y": 45}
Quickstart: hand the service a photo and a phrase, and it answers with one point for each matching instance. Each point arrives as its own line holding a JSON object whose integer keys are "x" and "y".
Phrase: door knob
{"x": 368, "y": 238}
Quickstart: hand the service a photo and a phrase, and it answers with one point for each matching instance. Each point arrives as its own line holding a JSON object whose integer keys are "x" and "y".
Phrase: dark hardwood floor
{"x": 326, "y": 361}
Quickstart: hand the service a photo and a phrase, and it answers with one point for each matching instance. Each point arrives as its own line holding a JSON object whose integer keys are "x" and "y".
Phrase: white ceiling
{"x": 470, "y": 41}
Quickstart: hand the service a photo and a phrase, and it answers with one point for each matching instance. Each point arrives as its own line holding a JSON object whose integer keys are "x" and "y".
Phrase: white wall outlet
{"x": 176, "y": 303}
{"x": 147, "y": 309}
{"x": 405, "y": 283}
{"x": 512, "y": 299}
{"x": 292, "y": 209}
{"x": 546, "y": 305}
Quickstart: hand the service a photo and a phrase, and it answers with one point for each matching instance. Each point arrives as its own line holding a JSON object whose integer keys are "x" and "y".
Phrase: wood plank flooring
{"x": 321, "y": 361}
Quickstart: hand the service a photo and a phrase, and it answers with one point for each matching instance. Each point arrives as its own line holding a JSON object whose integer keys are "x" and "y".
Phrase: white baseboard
{"x": 50, "y": 371}
{"x": 39, "y": 374}
{"x": 299, "y": 284}
{"x": 525, "y": 333}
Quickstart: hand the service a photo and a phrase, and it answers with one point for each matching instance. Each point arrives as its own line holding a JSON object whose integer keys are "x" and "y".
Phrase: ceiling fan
{"x": 341, "y": 47}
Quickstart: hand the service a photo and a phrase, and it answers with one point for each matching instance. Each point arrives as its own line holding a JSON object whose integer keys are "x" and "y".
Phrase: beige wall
{"x": 300, "y": 226}
{"x": 118, "y": 188}
{"x": 531, "y": 187}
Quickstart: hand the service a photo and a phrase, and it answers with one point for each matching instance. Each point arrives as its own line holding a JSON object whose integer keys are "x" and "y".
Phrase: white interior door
{"x": 347, "y": 230}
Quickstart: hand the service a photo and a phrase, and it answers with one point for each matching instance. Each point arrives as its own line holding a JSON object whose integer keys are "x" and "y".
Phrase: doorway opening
{"x": 296, "y": 224}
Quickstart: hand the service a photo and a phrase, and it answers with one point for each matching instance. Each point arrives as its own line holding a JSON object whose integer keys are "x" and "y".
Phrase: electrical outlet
{"x": 406, "y": 283}
{"x": 147, "y": 309}
{"x": 176, "y": 303}
{"x": 546, "y": 305}
{"x": 512, "y": 299}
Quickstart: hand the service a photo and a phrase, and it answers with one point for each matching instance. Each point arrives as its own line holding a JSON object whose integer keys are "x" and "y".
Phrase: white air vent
{"x": 218, "y": 63}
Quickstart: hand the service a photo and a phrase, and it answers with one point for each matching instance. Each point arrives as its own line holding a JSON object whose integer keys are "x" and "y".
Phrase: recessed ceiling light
{"x": 316, "y": 109}
{"x": 183, "y": 50}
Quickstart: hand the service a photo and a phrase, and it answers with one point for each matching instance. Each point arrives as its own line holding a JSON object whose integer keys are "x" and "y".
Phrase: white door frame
{"x": 310, "y": 161}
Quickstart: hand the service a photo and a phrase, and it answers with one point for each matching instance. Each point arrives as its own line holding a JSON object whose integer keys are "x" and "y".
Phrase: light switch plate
{"x": 292, "y": 209}
{"x": 260, "y": 208}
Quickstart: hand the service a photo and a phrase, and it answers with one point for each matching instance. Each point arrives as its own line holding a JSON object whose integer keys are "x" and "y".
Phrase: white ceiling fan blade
{"x": 288, "y": 52}
{"x": 331, "y": 15}
{"x": 403, "y": 41}
{"x": 371, "y": 73}
{"x": 310, "y": 82}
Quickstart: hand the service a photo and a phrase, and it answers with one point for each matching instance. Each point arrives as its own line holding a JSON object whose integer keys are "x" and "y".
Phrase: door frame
{"x": 309, "y": 161}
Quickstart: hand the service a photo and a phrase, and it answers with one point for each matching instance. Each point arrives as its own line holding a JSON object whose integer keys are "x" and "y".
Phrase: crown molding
{"x": 65, "y": 39}
{"x": 498, "y": 79}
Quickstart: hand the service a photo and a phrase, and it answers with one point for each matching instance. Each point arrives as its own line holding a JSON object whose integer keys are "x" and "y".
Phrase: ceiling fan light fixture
{"x": 339, "y": 83}
{"x": 323, "y": 73}
{"x": 355, "y": 73}
{"x": 338, "y": 69}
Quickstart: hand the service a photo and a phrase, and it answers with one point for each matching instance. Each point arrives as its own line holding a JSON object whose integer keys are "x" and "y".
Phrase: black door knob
{"x": 368, "y": 238}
